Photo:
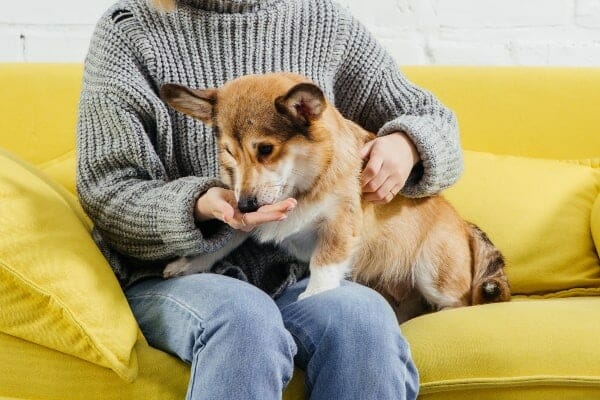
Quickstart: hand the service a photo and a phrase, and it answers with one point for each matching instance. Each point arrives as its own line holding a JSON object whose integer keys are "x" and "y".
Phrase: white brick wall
{"x": 445, "y": 32}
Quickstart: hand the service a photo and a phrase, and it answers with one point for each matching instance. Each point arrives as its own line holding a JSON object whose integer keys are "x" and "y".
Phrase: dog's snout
{"x": 248, "y": 204}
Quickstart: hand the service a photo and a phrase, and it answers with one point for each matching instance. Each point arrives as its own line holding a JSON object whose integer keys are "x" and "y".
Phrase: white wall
{"x": 445, "y": 32}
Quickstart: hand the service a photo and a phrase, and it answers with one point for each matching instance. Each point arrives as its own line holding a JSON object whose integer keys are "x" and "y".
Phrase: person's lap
{"x": 346, "y": 339}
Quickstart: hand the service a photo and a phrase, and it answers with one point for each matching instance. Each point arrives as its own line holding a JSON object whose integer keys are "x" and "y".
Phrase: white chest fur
{"x": 298, "y": 233}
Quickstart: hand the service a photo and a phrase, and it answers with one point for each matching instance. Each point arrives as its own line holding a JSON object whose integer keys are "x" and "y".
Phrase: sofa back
{"x": 38, "y": 113}
{"x": 534, "y": 112}
{"x": 523, "y": 111}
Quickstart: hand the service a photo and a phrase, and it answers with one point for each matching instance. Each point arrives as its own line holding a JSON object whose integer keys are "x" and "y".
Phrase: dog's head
{"x": 267, "y": 127}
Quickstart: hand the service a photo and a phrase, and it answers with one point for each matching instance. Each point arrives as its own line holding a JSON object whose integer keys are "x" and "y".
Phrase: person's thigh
{"x": 349, "y": 343}
{"x": 169, "y": 311}
{"x": 230, "y": 332}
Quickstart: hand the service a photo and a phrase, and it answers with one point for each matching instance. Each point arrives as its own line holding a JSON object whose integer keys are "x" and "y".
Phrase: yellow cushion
{"x": 538, "y": 212}
{"x": 62, "y": 170}
{"x": 516, "y": 350}
{"x": 56, "y": 288}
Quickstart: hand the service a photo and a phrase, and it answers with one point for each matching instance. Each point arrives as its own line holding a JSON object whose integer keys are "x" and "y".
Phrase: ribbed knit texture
{"x": 141, "y": 166}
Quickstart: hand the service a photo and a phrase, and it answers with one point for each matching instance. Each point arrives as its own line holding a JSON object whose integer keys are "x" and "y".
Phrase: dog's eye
{"x": 265, "y": 149}
{"x": 228, "y": 151}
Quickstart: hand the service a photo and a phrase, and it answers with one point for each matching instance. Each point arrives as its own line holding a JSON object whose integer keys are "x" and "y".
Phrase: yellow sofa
{"x": 544, "y": 214}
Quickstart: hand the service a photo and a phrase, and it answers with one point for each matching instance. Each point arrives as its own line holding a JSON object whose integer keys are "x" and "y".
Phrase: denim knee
{"x": 250, "y": 323}
{"x": 354, "y": 314}
{"x": 351, "y": 346}
{"x": 251, "y": 314}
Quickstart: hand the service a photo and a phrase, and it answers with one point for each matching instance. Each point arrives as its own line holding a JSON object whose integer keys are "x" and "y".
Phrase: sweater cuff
{"x": 176, "y": 224}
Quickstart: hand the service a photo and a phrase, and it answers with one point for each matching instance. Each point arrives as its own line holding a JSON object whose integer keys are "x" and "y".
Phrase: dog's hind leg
{"x": 442, "y": 274}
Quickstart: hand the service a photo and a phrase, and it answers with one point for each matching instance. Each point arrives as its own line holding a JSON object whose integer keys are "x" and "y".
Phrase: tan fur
{"x": 419, "y": 253}
{"x": 163, "y": 5}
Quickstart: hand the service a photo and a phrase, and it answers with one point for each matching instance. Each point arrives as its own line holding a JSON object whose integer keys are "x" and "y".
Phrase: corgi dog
{"x": 279, "y": 137}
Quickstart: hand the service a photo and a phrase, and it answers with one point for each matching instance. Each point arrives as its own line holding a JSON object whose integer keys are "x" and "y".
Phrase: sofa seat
{"x": 518, "y": 350}
{"x": 48, "y": 374}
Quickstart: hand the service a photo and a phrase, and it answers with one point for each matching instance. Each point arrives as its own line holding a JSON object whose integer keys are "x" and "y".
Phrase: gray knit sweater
{"x": 141, "y": 166}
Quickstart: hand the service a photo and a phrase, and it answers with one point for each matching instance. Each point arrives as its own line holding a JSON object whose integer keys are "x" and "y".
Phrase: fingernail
{"x": 282, "y": 217}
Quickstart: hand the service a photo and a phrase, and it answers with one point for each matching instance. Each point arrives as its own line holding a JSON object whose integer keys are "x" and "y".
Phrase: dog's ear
{"x": 198, "y": 103}
{"x": 304, "y": 103}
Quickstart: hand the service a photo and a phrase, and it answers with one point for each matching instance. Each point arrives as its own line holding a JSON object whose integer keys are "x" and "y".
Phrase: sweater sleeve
{"x": 370, "y": 90}
{"x": 139, "y": 204}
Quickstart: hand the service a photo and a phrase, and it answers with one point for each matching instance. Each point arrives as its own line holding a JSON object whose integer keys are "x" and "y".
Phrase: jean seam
{"x": 405, "y": 356}
{"x": 301, "y": 332}
{"x": 175, "y": 301}
{"x": 292, "y": 350}
{"x": 307, "y": 383}
{"x": 301, "y": 335}
{"x": 286, "y": 380}
{"x": 192, "y": 382}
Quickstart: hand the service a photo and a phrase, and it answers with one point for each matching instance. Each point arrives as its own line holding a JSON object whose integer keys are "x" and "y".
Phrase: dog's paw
{"x": 179, "y": 267}
{"x": 306, "y": 294}
{"x": 315, "y": 290}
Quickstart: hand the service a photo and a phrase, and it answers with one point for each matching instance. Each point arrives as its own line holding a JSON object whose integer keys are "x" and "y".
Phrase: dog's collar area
{"x": 232, "y": 6}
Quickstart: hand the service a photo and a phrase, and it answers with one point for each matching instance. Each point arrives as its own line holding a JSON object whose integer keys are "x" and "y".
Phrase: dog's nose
{"x": 248, "y": 204}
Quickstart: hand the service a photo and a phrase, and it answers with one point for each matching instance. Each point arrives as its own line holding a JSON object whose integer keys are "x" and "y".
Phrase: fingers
{"x": 377, "y": 180}
{"x": 384, "y": 193}
{"x": 366, "y": 149}
{"x": 382, "y": 182}
{"x": 221, "y": 204}
{"x": 285, "y": 205}
{"x": 247, "y": 222}
{"x": 268, "y": 213}
{"x": 370, "y": 172}
{"x": 251, "y": 220}
{"x": 384, "y": 174}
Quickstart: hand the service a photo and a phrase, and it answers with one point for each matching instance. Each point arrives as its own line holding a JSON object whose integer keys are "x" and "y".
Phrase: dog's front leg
{"x": 332, "y": 258}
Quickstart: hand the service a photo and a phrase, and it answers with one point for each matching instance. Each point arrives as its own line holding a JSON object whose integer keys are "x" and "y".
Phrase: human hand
{"x": 389, "y": 159}
{"x": 219, "y": 203}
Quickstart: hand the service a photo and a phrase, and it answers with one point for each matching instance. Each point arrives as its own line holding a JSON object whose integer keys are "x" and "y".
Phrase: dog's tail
{"x": 489, "y": 280}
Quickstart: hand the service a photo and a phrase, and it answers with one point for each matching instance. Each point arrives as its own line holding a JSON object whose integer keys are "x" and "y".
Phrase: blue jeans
{"x": 243, "y": 345}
